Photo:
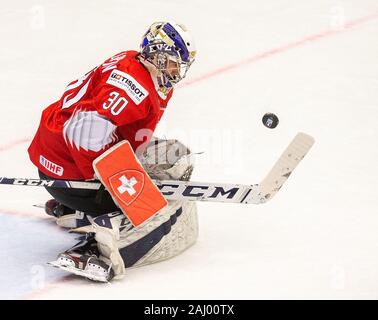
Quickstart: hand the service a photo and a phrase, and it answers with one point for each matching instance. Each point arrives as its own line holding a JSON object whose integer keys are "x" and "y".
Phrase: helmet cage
{"x": 163, "y": 44}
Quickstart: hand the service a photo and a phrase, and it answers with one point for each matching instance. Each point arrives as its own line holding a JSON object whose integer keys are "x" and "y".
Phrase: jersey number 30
{"x": 115, "y": 103}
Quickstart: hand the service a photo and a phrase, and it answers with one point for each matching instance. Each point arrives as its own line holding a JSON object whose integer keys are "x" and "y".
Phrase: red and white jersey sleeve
{"x": 115, "y": 101}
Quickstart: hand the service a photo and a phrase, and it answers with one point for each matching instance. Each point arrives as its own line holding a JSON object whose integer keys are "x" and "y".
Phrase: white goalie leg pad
{"x": 183, "y": 234}
{"x": 74, "y": 220}
{"x": 107, "y": 234}
{"x": 168, "y": 233}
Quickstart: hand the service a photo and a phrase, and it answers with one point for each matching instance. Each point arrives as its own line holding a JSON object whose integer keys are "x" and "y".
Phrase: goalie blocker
{"x": 128, "y": 183}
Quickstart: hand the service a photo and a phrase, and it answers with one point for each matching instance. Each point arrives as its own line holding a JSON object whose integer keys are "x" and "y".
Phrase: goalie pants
{"x": 92, "y": 202}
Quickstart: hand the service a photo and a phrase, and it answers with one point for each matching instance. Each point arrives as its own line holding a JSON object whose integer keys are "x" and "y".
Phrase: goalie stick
{"x": 203, "y": 191}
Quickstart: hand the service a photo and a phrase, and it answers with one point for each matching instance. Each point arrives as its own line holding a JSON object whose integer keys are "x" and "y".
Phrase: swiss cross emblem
{"x": 127, "y": 185}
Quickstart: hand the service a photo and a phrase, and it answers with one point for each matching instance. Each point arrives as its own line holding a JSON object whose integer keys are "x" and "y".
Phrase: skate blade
{"x": 78, "y": 272}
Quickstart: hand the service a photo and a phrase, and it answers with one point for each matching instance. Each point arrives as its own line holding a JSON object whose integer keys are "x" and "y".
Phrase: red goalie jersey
{"x": 115, "y": 101}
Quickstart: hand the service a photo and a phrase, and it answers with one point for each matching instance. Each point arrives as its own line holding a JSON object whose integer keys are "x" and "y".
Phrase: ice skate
{"x": 84, "y": 260}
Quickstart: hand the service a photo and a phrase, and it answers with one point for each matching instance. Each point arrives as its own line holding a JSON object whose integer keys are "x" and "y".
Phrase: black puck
{"x": 270, "y": 120}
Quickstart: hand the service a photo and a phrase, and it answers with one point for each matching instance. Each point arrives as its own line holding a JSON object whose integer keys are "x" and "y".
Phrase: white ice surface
{"x": 317, "y": 239}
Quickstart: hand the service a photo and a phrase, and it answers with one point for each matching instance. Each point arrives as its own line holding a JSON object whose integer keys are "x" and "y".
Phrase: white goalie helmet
{"x": 169, "y": 48}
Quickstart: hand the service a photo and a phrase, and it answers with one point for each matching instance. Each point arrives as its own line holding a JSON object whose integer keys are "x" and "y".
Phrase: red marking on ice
{"x": 281, "y": 49}
{"x": 13, "y": 144}
{"x": 15, "y": 213}
{"x": 39, "y": 293}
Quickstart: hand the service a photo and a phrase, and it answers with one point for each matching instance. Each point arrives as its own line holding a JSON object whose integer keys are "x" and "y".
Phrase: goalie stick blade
{"x": 238, "y": 193}
{"x": 283, "y": 168}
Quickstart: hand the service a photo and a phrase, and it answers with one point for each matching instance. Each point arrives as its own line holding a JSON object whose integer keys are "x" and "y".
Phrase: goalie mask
{"x": 167, "y": 50}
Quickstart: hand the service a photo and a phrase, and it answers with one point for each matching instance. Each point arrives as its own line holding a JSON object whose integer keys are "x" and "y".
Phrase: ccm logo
{"x": 33, "y": 182}
{"x": 190, "y": 191}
